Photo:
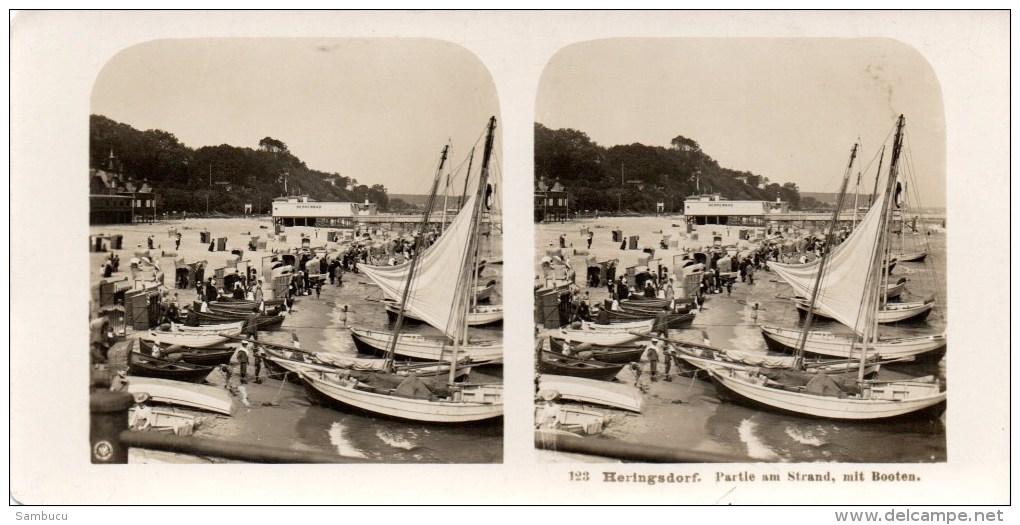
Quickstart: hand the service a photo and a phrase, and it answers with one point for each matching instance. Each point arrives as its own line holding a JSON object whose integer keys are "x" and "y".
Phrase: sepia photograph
{"x": 741, "y": 252}
{"x": 737, "y": 259}
{"x": 296, "y": 253}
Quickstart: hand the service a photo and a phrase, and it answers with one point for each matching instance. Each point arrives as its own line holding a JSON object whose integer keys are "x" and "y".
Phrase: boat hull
{"x": 197, "y": 340}
{"x": 601, "y": 338}
{"x": 195, "y": 356}
{"x": 746, "y": 392}
{"x": 675, "y": 321}
{"x": 913, "y": 257}
{"x": 148, "y": 366}
{"x": 479, "y": 316}
{"x": 606, "y": 354}
{"x": 557, "y": 364}
{"x": 489, "y": 404}
{"x": 616, "y": 395}
{"x": 426, "y": 348}
{"x": 218, "y": 329}
{"x": 889, "y": 313}
{"x": 203, "y": 397}
{"x": 834, "y": 345}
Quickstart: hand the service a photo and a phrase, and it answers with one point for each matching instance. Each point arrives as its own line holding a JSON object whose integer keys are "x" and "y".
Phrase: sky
{"x": 787, "y": 109}
{"x": 378, "y": 110}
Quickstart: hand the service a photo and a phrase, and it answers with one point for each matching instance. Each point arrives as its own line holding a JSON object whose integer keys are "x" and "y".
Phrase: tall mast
{"x": 825, "y": 258}
{"x": 467, "y": 177}
{"x": 446, "y": 193}
{"x": 468, "y": 266}
{"x": 874, "y": 294}
{"x": 416, "y": 252}
{"x": 878, "y": 175}
{"x": 857, "y": 193}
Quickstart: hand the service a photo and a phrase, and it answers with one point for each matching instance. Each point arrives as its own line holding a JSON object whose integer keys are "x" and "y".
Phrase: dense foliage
{"x": 634, "y": 178}
{"x": 228, "y": 176}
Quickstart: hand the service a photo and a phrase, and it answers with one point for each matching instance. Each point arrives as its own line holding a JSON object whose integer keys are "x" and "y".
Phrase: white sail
{"x": 841, "y": 291}
{"x": 435, "y": 285}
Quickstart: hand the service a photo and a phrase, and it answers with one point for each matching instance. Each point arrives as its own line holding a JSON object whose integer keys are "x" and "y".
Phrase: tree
{"x": 272, "y": 145}
{"x": 683, "y": 143}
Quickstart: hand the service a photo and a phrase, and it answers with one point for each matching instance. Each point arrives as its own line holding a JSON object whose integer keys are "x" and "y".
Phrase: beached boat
{"x": 704, "y": 358}
{"x": 484, "y": 292}
{"x": 430, "y": 348}
{"x": 675, "y": 321}
{"x": 559, "y": 364}
{"x": 146, "y": 418}
{"x": 191, "y": 395}
{"x": 874, "y": 400}
{"x": 594, "y": 337}
{"x": 193, "y": 340}
{"x": 220, "y": 329}
{"x": 605, "y": 393}
{"x": 478, "y": 315}
{"x": 644, "y": 326}
{"x": 894, "y": 290}
{"x": 888, "y": 313}
{"x": 606, "y": 354}
{"x": 196, "y": 356}
{"x": 852, "y": 293}
{"x": 569, "y": 418}
{"x": 444, "y": 281}
{"x": 829, "y": 344}
{"x": 292, "y": 359}
{"x": 918, "y": 256}
{"x": 466, "y": 402}
{"x": 265, "y": 322}
{"x": 149, "y": 366}
{"x": 232, "y": 309}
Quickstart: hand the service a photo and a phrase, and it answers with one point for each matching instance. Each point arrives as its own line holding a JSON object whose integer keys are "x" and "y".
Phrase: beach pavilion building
{"x": 300, "y": 210}
{"x": 715, "y": 209}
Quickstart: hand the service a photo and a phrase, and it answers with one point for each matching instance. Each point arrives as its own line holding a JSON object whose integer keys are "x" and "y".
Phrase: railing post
{"x": 108, "y": 417}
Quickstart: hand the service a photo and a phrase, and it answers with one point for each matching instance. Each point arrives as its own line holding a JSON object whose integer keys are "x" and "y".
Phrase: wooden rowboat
{"x": 202, "y": 397}
{"x": 607, "y": 393}
{"x": 559, "y": 364}
{"x": 149, "y": 366}
{"x": 195, "y": 356}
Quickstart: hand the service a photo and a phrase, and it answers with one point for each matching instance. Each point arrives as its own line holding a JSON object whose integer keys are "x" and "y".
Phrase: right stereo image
{"x": 740, "y": 252}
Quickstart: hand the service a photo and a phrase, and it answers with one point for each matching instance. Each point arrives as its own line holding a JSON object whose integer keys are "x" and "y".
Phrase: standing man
{"x": 611, "y": 276}
{"x": 259, "y": 297}
{"x": 260, "y": 356}
{"x": 177, "y": 241}
{"x": 652, "y": 354}
{"x": 591, "y": 235}
{"x": 242, "y": 361}
{"x": 622, "y": 290}
{"x": 210, "y": 290}
{"x": 669, "y": 354}
{"x": 662, "y": 321}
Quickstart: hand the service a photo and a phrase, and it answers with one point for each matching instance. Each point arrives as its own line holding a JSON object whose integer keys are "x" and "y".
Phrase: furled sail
{"x": 842, "y": 290}
{"x": 434, "y": 288}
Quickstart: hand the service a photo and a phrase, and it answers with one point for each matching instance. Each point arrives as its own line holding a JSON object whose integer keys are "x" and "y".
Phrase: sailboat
{"x": 435, "y": 283}
{"x": 852, "y": 293}
{"x": 442, "y": 279}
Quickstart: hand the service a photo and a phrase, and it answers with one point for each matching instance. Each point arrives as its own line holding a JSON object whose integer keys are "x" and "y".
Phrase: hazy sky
{"x": 786, "y": 109}
{"x": 377, "y": 110}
